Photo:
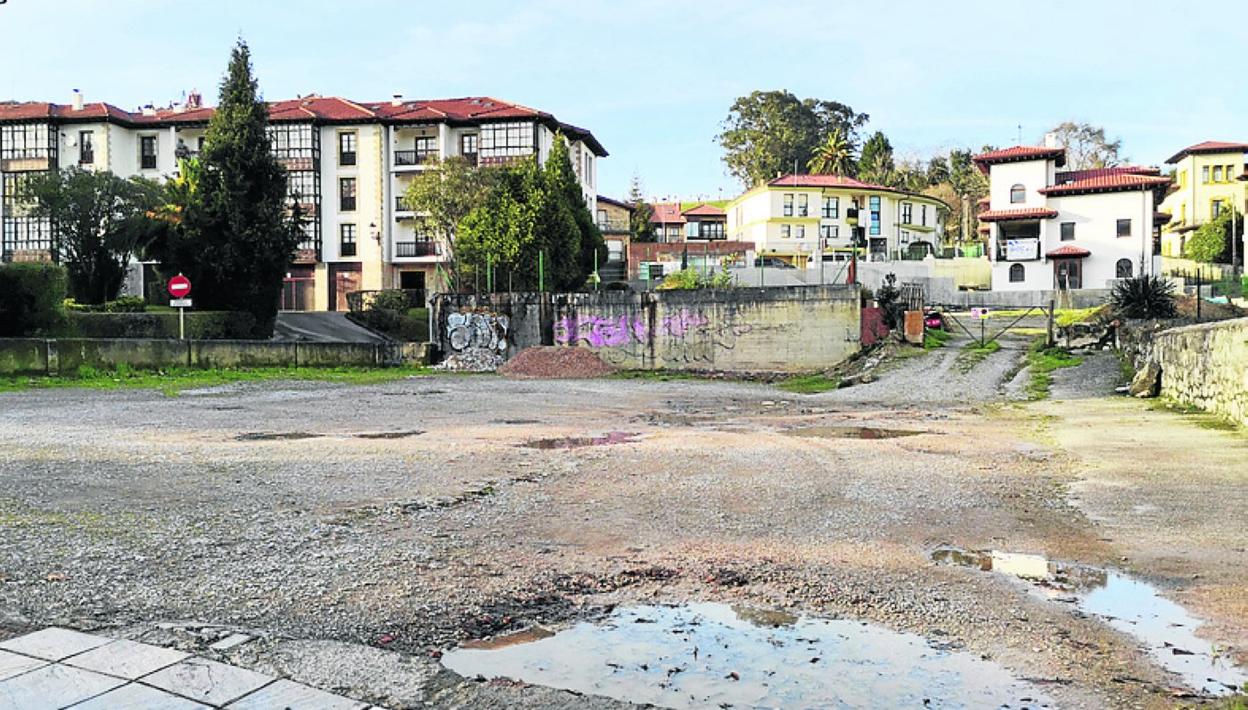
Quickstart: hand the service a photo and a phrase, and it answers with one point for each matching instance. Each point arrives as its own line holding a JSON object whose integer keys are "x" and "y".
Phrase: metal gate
{"x": 986, "y": 334}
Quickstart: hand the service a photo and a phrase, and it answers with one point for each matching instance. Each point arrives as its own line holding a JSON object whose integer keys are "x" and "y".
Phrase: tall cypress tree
{"x": 561, "y": 179}
{"x": 238, "y": 236}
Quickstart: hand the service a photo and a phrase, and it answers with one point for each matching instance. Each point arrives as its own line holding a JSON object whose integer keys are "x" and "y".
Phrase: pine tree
{"x": 640, "y": 227}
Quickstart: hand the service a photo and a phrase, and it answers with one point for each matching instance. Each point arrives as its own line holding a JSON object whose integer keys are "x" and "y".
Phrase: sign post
{"x": 180, "y": 288}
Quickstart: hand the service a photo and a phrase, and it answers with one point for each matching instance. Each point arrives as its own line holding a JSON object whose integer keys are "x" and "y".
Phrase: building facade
{"x": 1206, "y": 183}
{"x": 1053, "y": 229}
{"x": 801, "y": 219}
{"x": 348, "y": 165}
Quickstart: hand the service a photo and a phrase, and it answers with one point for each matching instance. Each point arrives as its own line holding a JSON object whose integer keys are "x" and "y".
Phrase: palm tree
{"x": 834, "y": 157}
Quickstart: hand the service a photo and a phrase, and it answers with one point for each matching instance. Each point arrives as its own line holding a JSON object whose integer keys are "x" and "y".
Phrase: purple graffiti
{"x": 618, "y": 331}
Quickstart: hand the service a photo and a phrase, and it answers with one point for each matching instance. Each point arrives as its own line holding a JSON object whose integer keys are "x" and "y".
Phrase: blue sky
{"x": 654, "y": 79}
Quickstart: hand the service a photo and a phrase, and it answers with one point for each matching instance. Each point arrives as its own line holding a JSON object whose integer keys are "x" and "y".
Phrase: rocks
{"x": 556, "y": 363}
{"x": 1147, "y": 382}
{"x": 472, "y": 360}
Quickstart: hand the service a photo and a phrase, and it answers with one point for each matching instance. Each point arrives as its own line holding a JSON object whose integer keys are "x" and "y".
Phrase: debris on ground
{"x": 547, "y": 362}
{"x": 1186, "y": 306}
{"x": 472, "y": 360}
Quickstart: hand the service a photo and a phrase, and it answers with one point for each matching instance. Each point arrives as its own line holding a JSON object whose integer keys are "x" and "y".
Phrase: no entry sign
{"x": 179, "y": 286}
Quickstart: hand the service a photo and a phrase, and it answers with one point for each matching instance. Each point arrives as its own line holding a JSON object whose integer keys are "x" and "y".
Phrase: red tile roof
{"x": 1209, "y": 147}
{"x": 1074, "y": 175}
{"x": 825, "y": 181}
{"x": 1017, "y": 214}
{"x": 1069, "y": 251}
{"x": 704, "y": 210}
{"x": 1107, "y": 183}
{"x": 666, "y": 213}
{"x": 1018, "y": 154}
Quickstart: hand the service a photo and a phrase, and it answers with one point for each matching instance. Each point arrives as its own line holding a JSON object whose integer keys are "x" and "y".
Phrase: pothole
{"x": 579, "y": 442}
{"x": 1131, "y": 606}
{"x": 276, "y": 436}
{"x": 851, "y": 432}
{"x": 707, "y": 655}
{"x": 390, "y": 434}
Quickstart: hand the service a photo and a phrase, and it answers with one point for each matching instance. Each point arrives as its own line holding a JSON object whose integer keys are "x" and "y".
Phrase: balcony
{"x": 411, "y": 250}
{"x": 414, "y": 158}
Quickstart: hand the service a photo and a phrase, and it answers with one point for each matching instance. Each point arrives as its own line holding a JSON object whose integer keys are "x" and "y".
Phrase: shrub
{"x": 32, "y": 299}
{"x": 692, "y": 279}
{"x": 388, "y": 313}
{"x": 889, "y": 299}
{"x": 125, "y": 304}
{"x": 201, "y": 325}
{"x": 1144, "y": 297}
{"x": 1211, "y": 244}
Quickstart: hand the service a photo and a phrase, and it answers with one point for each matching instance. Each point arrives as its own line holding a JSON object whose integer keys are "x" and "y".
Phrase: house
{"x": 348, "y": 165}
{"x": 668, "y": 222}
{"x": 614, "y": 219}
{"x": 1206, "y": 182}
{"x": 802, "y": 218}
{"x": 1054, "y": 229}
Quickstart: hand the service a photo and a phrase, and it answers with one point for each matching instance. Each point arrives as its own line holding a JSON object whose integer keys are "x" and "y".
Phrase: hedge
{"x": 32, "y": 298}
{"x": 200, "y": 325}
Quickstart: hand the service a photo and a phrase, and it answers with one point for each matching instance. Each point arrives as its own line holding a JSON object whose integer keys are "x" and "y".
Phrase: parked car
{"x": 773, "y": 262}
{"x": 934, "y": 320}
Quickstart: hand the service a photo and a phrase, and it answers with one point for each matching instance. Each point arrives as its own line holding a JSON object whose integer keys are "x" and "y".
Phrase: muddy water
{"x": 851, "y": 432}
{"x": 707, "y": 655}
{"x": 1129, "y": 605}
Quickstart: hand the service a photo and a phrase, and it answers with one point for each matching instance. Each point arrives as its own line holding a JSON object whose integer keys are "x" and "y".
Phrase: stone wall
{"x": 1206, "y": 366}
{"x": 732, "y": 330}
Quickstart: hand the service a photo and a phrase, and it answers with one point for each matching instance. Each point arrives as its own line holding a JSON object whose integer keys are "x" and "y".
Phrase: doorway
{"x": 1067, "y": 274}
{"x": 343, "y": 279}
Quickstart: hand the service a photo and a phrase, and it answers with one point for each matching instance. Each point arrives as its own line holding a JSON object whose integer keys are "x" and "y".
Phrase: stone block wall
{"x": 1206, "y": 366}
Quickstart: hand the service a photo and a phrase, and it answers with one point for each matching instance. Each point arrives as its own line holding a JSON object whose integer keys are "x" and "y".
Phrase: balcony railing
{"x": 406, "y": 158}
{"x": 404, "y": 250}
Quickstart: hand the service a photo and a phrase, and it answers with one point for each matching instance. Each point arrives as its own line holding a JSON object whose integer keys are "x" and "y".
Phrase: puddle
{"x": 579, "y": 442}
{"x": 390, "y": 434}
{"x": 279, "y": 436}
{"x": 515, "y": 422}
{"x": 851, "y": 432}
{"x": 1131, "y": 606}
{"x": 707, "y": 655}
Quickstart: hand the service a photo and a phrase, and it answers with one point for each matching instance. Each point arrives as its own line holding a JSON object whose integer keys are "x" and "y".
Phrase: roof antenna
{"x": 1020, "y": 134}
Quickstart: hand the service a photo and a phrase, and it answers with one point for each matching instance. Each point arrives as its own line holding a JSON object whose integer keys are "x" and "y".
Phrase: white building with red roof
{"x": 348, "y": 163}
{"x": 1052, "y": 229}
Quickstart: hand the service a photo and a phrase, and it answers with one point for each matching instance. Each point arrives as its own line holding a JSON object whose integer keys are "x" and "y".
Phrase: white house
{"x": 1054, "y": 229}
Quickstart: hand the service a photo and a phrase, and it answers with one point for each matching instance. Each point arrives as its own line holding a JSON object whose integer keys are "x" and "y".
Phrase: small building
{"x": 614, "y": 219}
{"x": 1053, "y": 229}
{"x": 1206, "y": 183}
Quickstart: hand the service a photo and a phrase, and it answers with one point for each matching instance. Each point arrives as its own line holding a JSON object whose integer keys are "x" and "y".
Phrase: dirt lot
{"x": 358, "y": 532}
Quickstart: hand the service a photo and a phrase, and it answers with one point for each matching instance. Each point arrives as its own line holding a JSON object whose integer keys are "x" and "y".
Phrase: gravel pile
{"x": 556, "y": 363}
{"x": 471, "y": 360}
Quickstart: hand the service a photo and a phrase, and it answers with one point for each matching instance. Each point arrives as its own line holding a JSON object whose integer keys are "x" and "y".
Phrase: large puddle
{"x": 851, "y": 432}
{"x": 713, "y": 655}
{"x": 1165, "y": 629}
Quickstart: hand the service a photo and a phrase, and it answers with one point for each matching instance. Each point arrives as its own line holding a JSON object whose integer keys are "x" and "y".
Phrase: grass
{"x": 1042, "y": 361}
{"x": 933, "y": 339}
{"x": 1062, "y": 317}
{"x": 974, "y": 353}
{"x": 811, "y": 384}
{"x": 1197, "y": 416}
{"x": 173, "y": 381}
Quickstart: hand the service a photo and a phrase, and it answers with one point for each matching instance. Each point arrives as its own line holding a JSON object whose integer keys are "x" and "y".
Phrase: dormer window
{"x": 1018, "y": 195}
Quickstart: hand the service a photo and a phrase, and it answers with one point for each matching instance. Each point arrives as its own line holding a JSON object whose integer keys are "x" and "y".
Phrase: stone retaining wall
{"x": 1206, "y": 366}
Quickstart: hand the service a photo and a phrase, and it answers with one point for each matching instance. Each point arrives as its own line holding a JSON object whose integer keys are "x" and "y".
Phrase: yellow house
{"x": 1206, "y": 182}
{"x": 800, "y": 219}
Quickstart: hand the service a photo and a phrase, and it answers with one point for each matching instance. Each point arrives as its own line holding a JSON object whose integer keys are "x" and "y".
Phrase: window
{"x": 346, "y": 243}
{"x": 1182, "y": 178}
{"x": 802, "y": 205}
{"x": 907, "y": 213}
{"x": 923, "y": 214}
{"x": 784, "y": 231}
{"x": 1230, "y": 173}
{"x": 1068, "y": 231}
{"x": 147, "y": 152}
{"x": 711, "y": 230}
{"x": 426, "y": 148}
{"x": 801, "y": 231}
{"x": 831, "y": 207}
{"x": 1217, "y": 173}
{"x": 828, "y": 231}
{"x": 27, "y": 141}
{"x": 468, "y": 147}
{"x": 602, "y": 218}
{"x": 346, "y": 194}
{"x": 501, "y": 142}
{"x": 1204, "y": 174}
{"x": 297, "y": 145}
{"x": 346, "y": 147}
{"x": 86, "y": 147}
{"x": 1215, "y": 207}
{"x": 905, "y": 235}
{"x": 874, "y": 203}
{"x": 588, "y": 177}
{"x": 1018, "y": 194}
{"x": 1017, "y": 274}
{"x": 788, "y": 205}
{"x": 1123, "y": 269}
{"x": 200, "y": 144}
{"x": 1124, "y": 227}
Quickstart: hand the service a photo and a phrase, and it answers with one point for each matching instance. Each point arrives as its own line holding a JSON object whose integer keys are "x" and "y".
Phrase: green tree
{"x": 1211, "y": 244}
{"x": 969, "y": 185}
{"x": 562, "y": 180}
{"x": 835, "y": 156}
{"x": 101, "y": 222}
{"x": 774, "y": 132}
{"x": 1086, "y": 146}
{"x": 447, "y": 192}
{"x": 639, "y": 225}
{"x": 937, "y": 170}
{"x": 877, "y": 155}
{"x": 237, "y": 236}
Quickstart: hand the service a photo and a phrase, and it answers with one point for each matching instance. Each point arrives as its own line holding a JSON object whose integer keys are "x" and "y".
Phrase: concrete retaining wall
{"x": 29, "y": 356}
{"x": 1206, "y": 366}
{"x": 733, "y": 330}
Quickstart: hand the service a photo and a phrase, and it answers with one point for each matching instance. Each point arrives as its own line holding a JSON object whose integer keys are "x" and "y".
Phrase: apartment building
{"x": 1207, "y": 182}
{"x": 1054, "y": 229}
{"x": 348, "y": 165}
{"x": 801, "y": 219}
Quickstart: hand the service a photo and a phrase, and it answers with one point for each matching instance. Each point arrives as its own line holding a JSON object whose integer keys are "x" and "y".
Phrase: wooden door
{"x": 1068, "y": 274}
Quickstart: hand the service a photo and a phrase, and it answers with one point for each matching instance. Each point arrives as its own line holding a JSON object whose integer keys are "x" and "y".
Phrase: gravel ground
{"x": 372, "y": 527}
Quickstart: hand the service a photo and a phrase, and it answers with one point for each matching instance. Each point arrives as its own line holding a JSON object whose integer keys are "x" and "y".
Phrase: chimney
{"x": 1050, "y": 141}
{"x": 396, "y": 100}
{"x": 149, "y": 110}
{"x": 77, "y": 100}
{"x": 194, "y": 100}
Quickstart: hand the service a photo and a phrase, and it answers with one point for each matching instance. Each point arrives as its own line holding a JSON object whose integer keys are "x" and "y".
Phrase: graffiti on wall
{"x": 477, "y": 331}
{"x": 681, "y": 337}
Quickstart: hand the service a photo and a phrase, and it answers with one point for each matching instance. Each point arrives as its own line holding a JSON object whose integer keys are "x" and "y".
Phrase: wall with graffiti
{"x": 764, "y": 329}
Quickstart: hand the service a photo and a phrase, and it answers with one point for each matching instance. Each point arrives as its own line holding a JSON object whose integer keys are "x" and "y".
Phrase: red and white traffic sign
{"x": 179, "y": 286}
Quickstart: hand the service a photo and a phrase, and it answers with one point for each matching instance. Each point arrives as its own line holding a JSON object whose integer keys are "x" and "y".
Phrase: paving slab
{"x": 138, "y": 697}
{"x": 53, "y": 643}
{"x": 290, "y": 695}
{"x": 53, "y": 686}
{"x": 127, "y": 659}
{"x": 207, "y": 681}
{"x": 12, "y": 664}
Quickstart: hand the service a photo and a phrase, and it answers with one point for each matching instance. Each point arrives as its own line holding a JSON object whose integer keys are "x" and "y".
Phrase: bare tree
{"x": 1087, "y": 147}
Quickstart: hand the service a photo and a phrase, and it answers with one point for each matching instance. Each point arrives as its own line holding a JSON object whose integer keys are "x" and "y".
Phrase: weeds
{"x": 933, "y": 339}
{"x": 1042, "y": 361}
{"x": 811, "y": 384}
{"x": 174, "y": 380}
{"x": 974, "y": 353}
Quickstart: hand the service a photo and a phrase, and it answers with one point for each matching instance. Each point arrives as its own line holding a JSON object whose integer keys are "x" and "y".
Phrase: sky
{"x": 654, "y": 79}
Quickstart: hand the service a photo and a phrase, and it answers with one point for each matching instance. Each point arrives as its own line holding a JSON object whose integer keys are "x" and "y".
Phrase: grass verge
{"x": 811, "y": 384}
{"x": 173, "y": 381}
{"x": 933, "y": 339}
{"x": 1042, "y": 361}
{"x": 974, "y": 353}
